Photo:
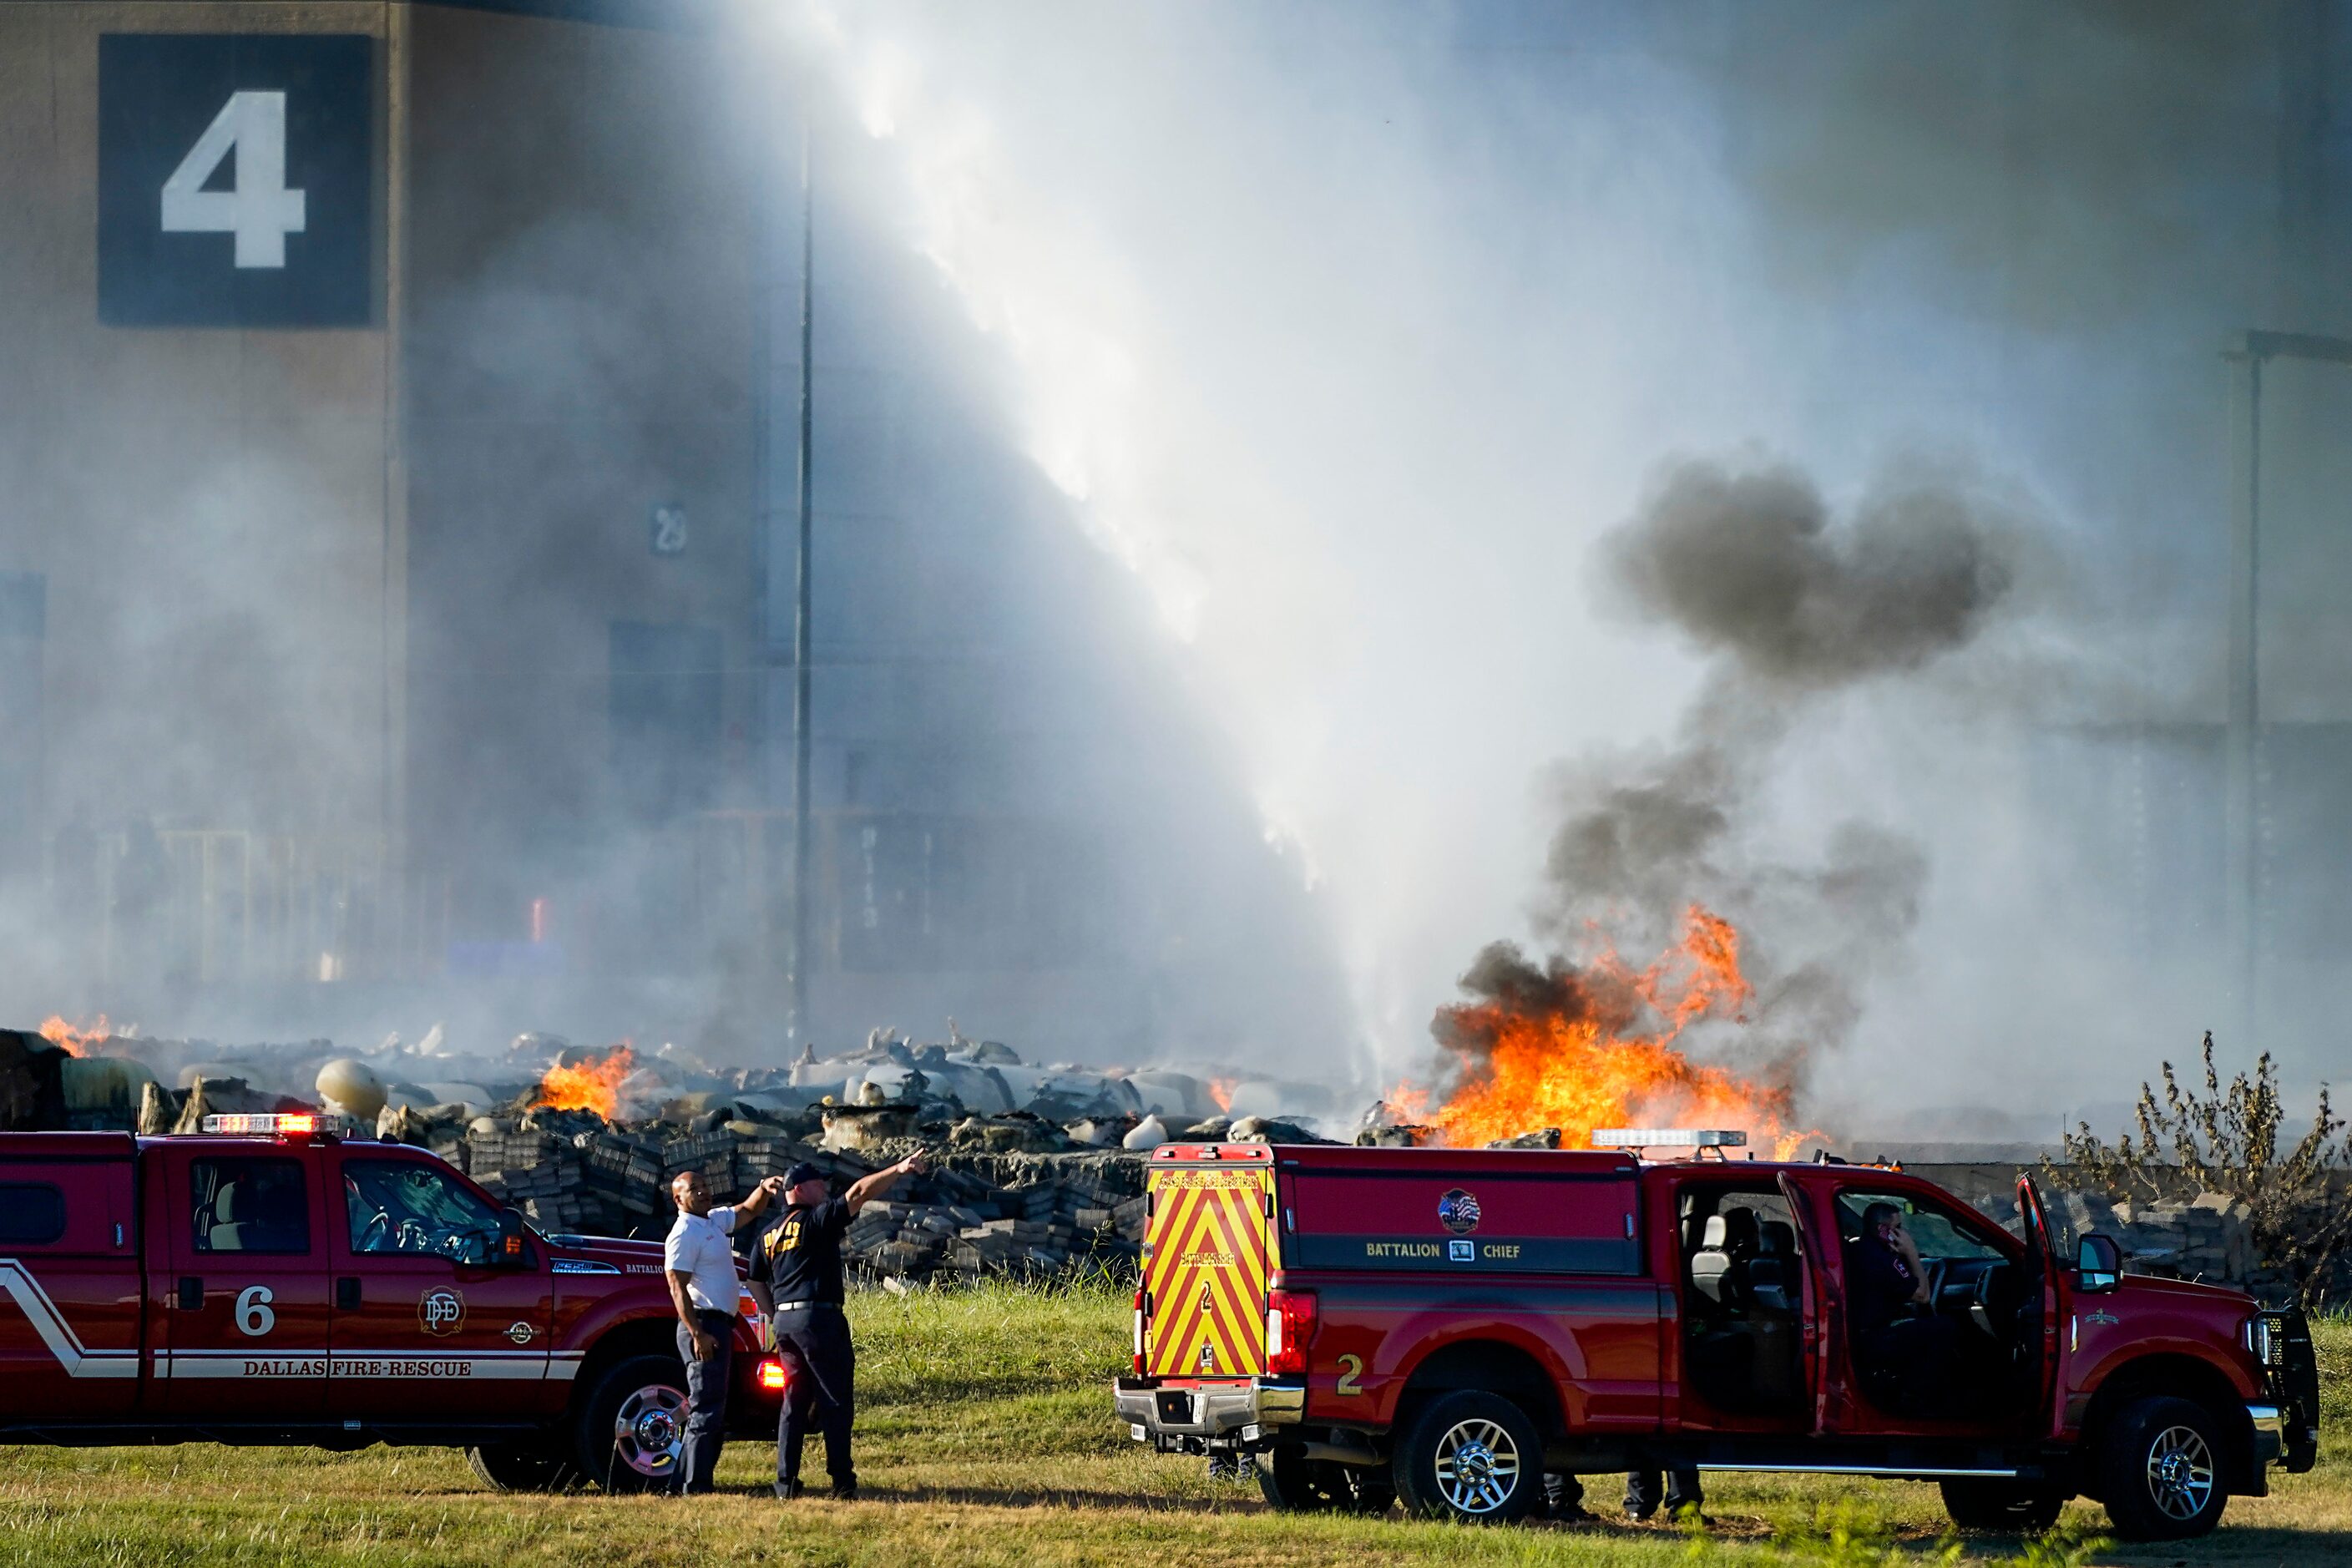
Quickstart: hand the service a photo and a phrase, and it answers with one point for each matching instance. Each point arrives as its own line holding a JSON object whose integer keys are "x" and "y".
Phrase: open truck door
{"x": 1827, "y": 1361}
{"x": 2042, "y": 1253}
{"x": 1208, "y": 1248}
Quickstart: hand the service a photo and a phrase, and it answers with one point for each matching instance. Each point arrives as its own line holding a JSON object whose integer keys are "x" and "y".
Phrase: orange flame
{"x": 1221, "y": 1089}
{"x": 1573, "y": 1071}
{"x": 77, "y": 1041}
{"x": 592, "y": 1085}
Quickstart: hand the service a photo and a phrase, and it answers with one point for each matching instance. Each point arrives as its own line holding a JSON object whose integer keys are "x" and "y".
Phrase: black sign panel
{"x": 236, "y": 181}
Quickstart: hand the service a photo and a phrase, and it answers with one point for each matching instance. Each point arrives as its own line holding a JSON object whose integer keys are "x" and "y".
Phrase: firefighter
{"x": 797, "y": 1279}
{"x": 1681, "y": 1487}
{"x": 699, "y": 1263}
{"x": 1904, "y": 1345}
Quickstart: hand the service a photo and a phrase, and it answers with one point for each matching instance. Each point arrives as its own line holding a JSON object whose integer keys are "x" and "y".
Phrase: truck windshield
{"x": 399, "y": 1206}
{"x": 1937, "y": 1233}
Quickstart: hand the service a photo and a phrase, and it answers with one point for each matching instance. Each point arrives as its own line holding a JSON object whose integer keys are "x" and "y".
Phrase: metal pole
{"x": 2240, "y": 859}
{"x": 796, "y": 1020}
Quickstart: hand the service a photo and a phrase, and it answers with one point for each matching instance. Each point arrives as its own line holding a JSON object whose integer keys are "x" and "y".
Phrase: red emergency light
{"x": 275, "y": 1123}
{"x": 771, "y": 1375}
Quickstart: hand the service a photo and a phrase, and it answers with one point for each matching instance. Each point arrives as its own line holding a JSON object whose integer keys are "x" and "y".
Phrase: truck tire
{"x": 522, "y": 1467}
{"x": 1470, "y": 1456}
{"x": 2161, "y": 1470}
{"x": 631, "y": 1429}
{"x": 2020, "y": 1508}
{"x": 1296, "y": 1484}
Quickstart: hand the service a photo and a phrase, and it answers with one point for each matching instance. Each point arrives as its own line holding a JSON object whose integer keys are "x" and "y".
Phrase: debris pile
{"x": 2208, "y": 1237}
{"x": 1036, "y": 1171}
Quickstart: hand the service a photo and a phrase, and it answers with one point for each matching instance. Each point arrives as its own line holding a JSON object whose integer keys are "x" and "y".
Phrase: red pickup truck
{"x": 285, "y": 1286}
{"x": 1443, "y": 1327}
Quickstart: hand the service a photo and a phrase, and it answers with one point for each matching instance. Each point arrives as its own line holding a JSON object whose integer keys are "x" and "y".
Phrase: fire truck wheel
{"x": 2161, "y": 1470}
{"x": 632, "y": 1428}
{"x": 2017, "y": 1508}
{"x": 522, "y": 1468}
{"x": 1470, "y": 1456}
{"x": 1296, "y": 1484}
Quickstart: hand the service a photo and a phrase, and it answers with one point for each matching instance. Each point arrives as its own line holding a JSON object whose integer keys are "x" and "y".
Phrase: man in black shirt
{"x": 797, "y": 1279}
{"x": 1902, "y": 1344}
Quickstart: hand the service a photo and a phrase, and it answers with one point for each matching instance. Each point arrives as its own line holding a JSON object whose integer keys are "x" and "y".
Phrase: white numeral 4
{"x": 261, "y": 212}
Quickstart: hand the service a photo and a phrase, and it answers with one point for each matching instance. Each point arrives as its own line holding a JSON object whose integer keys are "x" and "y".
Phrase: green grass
{"x": 985, "y": 1438}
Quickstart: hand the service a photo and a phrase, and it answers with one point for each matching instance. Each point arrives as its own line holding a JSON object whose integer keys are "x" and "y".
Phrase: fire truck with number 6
{"x": 270, "y": 1281}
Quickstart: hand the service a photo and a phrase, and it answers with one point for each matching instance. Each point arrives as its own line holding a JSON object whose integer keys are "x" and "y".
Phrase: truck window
{"x": 32, "y": 1214}
{"x": 397, "y": 1205}
{"x": 257, "y": 1205}
{"x": 1937, "y": 1233}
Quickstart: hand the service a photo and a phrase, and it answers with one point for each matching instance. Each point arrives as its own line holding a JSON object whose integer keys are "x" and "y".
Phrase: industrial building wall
{"x": 200, "y": 505}
{"x": 577, "y": 358}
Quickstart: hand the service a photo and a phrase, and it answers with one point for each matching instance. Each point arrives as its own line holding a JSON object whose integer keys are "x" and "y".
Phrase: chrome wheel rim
{"x": 649, "y": 1430}
{"x": 2180, "y": 1472}
{"x": 1477, "y": 1466}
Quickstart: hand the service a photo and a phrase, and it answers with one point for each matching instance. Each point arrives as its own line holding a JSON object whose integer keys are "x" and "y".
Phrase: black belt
{"x": 783, "y": 1307}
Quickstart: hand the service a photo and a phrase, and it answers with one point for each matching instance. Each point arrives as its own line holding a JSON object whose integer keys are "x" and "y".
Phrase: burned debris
{"x": 1037, "y": 1171}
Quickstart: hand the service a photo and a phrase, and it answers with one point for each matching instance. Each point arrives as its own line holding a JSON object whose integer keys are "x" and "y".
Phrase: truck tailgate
{"x": 1206, "y": 1247}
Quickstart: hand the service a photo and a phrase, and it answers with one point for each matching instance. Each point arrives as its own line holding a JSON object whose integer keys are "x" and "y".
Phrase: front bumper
{"x": 2270, "y": 1433}
{"x": 1219, "y": 1412}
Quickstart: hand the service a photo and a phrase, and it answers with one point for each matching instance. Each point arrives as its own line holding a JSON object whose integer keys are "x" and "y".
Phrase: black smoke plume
{"x": 1792, "y": 604}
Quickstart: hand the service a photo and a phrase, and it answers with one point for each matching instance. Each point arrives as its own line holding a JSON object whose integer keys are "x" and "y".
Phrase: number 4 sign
{"x": 261, "y": 211}
{"x": 236, "y": 177}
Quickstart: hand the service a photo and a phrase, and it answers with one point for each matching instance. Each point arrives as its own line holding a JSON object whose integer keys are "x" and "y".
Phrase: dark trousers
{"x": 706, "y": 1399}
{"x": 1641, "y": 1489}
{"x": 820, "y": 1390}
{"x": 1909, "y": 1365}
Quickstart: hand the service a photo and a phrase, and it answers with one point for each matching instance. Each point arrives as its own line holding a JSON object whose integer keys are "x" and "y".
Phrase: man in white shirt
{"x": 698, "y": 1259}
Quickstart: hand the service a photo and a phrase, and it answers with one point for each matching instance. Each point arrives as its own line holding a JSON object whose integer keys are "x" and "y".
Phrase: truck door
{"x": 2041, "y": 1248}
{"x": 241, "y": 1312}
{"x": 429, "y": 1320}
{"x": 1827, "y": 1366}
{"x": 1207, "y": 1241}
{"x": 68, "y": 1276}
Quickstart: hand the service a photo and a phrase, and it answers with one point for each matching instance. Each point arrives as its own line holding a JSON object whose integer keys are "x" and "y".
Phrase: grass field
{"x": 985, "y": 1438}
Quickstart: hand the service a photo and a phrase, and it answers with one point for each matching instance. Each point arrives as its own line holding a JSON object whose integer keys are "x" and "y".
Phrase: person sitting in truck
{"x": 1906, "y": 1351}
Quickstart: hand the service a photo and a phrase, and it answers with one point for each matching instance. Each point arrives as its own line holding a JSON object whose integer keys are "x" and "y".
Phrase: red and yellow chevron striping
{"x": 1211, "y": 1237}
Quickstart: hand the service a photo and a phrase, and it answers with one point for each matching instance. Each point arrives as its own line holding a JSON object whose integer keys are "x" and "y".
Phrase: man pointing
{"x": 796, "y": 1275}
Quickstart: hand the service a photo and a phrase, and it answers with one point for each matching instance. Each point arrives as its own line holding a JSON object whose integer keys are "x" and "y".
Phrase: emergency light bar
{"x": 1668, "y": 1138}
{"x": 276, "y": 1123}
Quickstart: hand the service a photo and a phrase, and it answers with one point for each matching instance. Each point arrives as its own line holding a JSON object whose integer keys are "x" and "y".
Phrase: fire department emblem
{"x": 1457, "y": 1211}
{"x": 441, "y": 1313}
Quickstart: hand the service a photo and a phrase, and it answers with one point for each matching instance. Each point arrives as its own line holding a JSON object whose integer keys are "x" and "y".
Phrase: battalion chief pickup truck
{"x": 277, "y": 1284}
{"x": 1444, "y": 1326}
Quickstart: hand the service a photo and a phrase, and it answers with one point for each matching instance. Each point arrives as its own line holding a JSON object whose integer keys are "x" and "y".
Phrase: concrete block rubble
{"x": 1038, "y": 1169}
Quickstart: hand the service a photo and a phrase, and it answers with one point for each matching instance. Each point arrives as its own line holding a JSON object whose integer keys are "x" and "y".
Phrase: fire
{"x": 591, "y": 1086}
{"x": 1221, "y": 1089}
{"x": 77, "y": 1041}
{"x": 1596, "y": 1065}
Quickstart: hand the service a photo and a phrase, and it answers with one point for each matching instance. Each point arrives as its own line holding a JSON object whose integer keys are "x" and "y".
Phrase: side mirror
{"x": 2098, "y": 1265}
{"x": 510, "y": 1251}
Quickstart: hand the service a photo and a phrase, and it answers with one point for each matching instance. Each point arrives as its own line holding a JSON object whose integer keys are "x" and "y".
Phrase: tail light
{"x": 1290, "y": 1332}
{"x": 772, "y": 1375}
{"x": 1142, "y": 1316}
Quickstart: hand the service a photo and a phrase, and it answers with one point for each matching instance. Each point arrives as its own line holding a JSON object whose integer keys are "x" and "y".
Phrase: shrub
{"x": 2226, "y": 1140}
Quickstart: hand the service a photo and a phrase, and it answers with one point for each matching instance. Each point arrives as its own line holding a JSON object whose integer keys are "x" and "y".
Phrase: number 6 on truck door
{"x": 241, "y": 1316}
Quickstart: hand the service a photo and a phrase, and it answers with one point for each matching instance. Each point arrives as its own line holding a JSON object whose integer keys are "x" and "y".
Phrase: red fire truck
{"x": 277, "y": 1284}
{"x": 1441, "y": 1327}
